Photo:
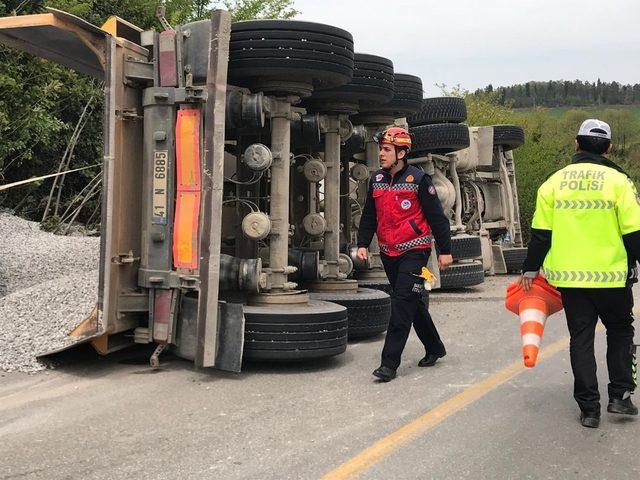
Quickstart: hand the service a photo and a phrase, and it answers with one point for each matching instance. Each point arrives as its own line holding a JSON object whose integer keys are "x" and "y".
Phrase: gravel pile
{"x": 29, "y": 256}
{"x": 48, "y": 284}
{"x": 37, "y": 319}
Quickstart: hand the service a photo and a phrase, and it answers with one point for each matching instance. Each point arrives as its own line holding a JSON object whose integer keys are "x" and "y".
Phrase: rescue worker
{"x": 403, "y": 209}
{"x": 586, "y": 234}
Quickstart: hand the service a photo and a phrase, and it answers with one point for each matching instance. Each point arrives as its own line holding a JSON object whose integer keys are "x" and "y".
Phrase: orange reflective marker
{"x": 187, "y": 216}
{"x": 533, "y": 307}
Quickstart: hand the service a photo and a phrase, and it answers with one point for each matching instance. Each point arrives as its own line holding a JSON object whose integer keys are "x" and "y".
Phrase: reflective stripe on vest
{"x": 426, "y": 240}
{"x": 584, "y": 204}
{"x": 405, "y": 186}
{"x": 415, "y": 243}
{"x": 577, "y": 276}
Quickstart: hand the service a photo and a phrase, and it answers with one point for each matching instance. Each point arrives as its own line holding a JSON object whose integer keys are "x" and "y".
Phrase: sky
{"x": 476, "y": 43}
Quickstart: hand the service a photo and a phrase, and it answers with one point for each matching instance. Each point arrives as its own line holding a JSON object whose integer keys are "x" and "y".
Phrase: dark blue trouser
{"x": 408, "y": 306}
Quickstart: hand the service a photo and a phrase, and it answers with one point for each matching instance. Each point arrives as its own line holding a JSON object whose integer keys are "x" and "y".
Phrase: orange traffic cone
{"x": 533, "y": 307}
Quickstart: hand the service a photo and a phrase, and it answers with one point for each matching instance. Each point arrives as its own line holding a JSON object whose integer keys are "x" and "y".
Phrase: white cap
{"x": 595, "y": 128}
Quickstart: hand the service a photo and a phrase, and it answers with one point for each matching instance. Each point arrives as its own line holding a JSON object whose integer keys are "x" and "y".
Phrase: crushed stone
{"x": 29, "y": 256}
{"x": 48, "y": 285}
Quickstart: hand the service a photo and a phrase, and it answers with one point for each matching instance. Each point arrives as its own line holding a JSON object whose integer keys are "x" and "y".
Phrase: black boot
{"x": 386, "y": 374}
{"x": 623, "y": 406}
{"x": 590, "y": 419}
{"x": 429, "y": 360}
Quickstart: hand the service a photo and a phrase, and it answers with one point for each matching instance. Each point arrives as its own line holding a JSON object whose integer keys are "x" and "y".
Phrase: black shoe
{"x": 622, "y": 406}
{"x": 589, "y": 419}
{"x": 386, "y": 374}
{"x": 429, "y": 360}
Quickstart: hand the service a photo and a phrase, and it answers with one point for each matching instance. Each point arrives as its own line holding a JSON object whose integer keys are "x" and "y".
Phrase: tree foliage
{"x": 250, "y": 9}
{"x": 564, "y": 93}
{"x": 39, "y": 104}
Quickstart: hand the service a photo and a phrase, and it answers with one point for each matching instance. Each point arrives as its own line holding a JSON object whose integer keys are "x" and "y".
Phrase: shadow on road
{"x": 84, "y": 361}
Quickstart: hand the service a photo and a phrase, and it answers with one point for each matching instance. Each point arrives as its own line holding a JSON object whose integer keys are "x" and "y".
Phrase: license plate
{"x": 160, "y": 172}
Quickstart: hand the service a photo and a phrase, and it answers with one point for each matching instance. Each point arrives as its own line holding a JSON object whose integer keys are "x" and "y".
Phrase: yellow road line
{"x": 404, "y": 435}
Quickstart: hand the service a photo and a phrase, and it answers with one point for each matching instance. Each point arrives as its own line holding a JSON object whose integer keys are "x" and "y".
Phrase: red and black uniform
{"x": 405, "y": 213}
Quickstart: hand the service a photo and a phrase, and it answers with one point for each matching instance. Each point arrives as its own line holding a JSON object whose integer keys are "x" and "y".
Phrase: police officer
{"x": 403, "y": 209}
{"x": 586, "y": 230}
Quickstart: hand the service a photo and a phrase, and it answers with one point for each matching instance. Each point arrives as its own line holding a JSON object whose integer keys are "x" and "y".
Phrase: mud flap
{"x": 229, "y": 333}
{"x": 230, "y": 337}
{"x": 499, "y": 263}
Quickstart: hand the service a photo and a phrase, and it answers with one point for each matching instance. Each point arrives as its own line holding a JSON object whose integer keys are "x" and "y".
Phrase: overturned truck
{"x": 236, "y": 157}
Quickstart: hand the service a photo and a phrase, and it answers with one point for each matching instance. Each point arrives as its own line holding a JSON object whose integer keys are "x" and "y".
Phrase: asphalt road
{"x": 105, "y": 418}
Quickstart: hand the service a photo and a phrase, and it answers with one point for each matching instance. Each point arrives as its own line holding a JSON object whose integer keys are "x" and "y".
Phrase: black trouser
{"x": 408, "y": 306}
{"x": 614, "y": 306}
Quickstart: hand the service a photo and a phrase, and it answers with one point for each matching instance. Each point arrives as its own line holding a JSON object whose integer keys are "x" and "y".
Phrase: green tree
{"x": 575, "y": 93}
{"x": 250, "y": 9}
{"x": 183, "y": 11}
{"x": 142, "y": 12}
{"x": 623, "y": 127}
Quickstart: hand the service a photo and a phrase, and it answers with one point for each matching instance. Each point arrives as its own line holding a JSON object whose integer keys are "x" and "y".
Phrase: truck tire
{"x": 509, "y": 137}
{"x": 407, "y": 98}
{"x": 372, "y": 83}
{"x": 315, "y": 330}
{"x": 440, "y": 110}
{"x": 460, "y": 275}
{"x": 282, "y": 50}
{"x": 514, "y": 258}
{"x": 382, "y": 285}
{"x": 368, "y": 310}
{"x": 465, "y": 247}
{"x": 439, "y": 138}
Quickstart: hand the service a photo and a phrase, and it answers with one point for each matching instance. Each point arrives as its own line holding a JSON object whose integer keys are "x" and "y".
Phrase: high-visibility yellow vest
{"x": 588, "y": 207}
